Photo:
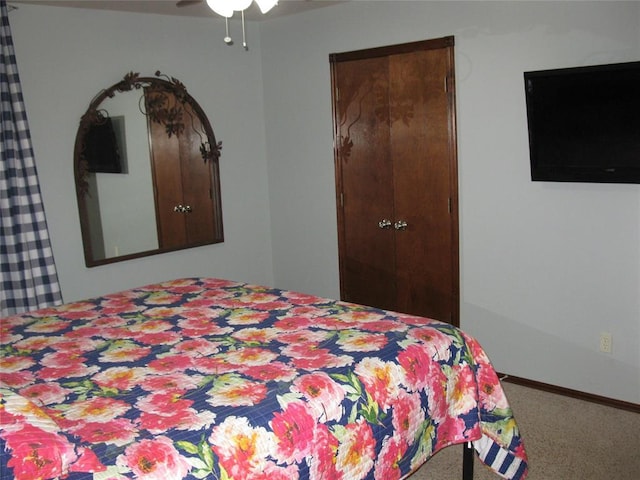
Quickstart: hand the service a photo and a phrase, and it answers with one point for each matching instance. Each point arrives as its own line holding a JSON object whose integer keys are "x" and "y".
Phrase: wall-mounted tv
{"x": 584, "y": 123}
{"x": 101, "y": 147}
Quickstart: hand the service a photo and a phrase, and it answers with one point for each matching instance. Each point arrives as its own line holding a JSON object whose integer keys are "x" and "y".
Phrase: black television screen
{"x": 584, "y": 123}
{"x": 101, "y": 148}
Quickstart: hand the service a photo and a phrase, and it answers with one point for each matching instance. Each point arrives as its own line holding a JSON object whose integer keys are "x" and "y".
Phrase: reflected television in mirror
{"x": 104, "y": 147}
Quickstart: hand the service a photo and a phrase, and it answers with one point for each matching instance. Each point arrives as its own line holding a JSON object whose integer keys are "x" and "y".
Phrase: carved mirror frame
{"x": 172, "y": 108}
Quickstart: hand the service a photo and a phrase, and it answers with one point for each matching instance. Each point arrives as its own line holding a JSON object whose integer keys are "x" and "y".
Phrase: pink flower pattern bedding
{"x": 204, "y": 378}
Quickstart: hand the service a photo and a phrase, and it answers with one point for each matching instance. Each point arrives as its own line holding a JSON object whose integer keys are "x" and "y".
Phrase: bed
{"x": 206, "y": 378}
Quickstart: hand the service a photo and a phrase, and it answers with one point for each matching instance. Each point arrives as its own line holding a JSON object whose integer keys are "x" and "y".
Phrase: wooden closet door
{"x": 183, "y": 181}
{"x": 394, "y": 118}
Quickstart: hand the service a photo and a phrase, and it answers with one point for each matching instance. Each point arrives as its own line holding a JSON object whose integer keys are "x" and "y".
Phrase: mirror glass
{"x": 146, "y": 170}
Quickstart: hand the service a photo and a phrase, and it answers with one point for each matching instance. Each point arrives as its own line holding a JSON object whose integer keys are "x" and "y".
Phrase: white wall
{"x": 544, "y": 267}
{"x": 67, "y": 55}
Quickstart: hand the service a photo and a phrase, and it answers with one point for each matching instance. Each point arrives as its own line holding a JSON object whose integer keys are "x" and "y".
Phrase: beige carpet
{"x": 565, "y": 439}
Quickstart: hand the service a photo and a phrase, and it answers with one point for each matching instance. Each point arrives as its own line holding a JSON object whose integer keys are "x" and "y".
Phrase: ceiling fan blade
{"x": 186, "y": 3}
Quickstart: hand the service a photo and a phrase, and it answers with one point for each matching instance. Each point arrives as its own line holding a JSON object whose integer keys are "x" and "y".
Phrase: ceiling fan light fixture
{"x": 239, "y": 5}
{"x": 221, "y": 7}
{"x": 266, "y": 5}
{"x": 226, "y": 8}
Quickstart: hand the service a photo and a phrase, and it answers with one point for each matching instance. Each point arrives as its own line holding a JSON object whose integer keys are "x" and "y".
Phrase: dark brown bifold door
{"x": 396, "y": 177}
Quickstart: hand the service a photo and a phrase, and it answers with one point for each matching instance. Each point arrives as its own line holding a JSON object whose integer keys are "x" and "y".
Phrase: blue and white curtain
{"x": 28, "y": 277}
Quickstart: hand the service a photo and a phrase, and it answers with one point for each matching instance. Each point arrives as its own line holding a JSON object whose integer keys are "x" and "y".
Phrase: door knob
{"x": 384, "y": 223}
{"x": 400, "y": 225}
{"x": 182, "y": 208}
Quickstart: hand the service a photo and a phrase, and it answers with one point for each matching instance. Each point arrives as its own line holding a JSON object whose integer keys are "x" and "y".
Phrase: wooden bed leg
{"x": 467, "y": 461}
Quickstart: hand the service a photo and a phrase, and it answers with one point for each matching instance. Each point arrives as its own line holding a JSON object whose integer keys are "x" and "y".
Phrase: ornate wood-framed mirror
{"x": 146, "y": 166}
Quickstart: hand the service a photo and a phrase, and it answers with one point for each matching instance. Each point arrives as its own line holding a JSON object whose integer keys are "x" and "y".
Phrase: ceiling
{"x": 168, "y": 7}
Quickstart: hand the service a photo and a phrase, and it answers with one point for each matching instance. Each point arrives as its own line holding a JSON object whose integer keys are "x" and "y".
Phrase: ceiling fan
{"x": 226, "y": 8}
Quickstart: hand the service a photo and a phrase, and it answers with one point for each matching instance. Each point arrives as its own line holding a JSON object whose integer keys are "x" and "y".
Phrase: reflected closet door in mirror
{"x": 146, "y": 168}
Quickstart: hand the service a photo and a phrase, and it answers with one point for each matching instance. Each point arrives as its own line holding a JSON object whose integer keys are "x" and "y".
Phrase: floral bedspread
{"x": 206, "y": 378}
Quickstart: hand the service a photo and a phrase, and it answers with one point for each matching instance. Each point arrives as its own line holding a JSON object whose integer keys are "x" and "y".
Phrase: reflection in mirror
{"x": 122, "y": 217}
{"x": 146, "y": 167}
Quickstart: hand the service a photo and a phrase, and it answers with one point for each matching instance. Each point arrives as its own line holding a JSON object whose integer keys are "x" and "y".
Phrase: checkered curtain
{"x": 28, "y": 278}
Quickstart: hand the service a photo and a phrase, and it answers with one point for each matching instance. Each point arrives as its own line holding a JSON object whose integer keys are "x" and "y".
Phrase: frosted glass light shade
{"x": 227, "y": 7}
{"x": 239, "y": 5}
{"x": 221, "y": 7}
{"x": 266, "y": 5}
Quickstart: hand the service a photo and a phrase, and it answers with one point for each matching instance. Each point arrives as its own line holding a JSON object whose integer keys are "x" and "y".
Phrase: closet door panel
{"x": 364, "y": 173}
{"x": 167, "y": 181}
{"x": 420, "y": 148}
{"x": 197, "y": 184}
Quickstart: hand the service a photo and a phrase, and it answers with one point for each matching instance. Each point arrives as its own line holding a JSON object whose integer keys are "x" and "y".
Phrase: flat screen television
{"x": 101, "y": 148}
{"x": 584, "y": 123}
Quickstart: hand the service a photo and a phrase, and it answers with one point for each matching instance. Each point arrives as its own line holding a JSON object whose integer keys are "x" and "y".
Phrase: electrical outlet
{"x": 605, "y": 342}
